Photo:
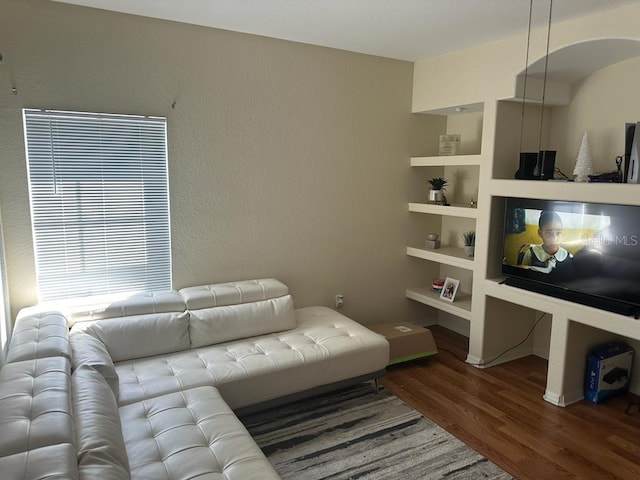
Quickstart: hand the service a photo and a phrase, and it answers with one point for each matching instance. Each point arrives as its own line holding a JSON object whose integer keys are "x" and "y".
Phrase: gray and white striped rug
{"x": 356, "y": 434}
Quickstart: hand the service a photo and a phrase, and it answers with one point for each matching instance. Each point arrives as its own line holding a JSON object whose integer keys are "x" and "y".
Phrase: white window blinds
{"x": 99, "y": 203}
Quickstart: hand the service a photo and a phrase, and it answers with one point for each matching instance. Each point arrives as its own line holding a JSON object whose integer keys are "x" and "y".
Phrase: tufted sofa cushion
{"x": 190, "y": 434}
{"x": 101, "y": 451}
{"x": 324, "y": 348}
{"x": 210, "y": 326}
{"x": 35, "y": 404}
{"x": 53, "y": 462}
{"x": 141, "y": 335}
{"x": 40, "y": 335}
{"x": 232, "y": 293}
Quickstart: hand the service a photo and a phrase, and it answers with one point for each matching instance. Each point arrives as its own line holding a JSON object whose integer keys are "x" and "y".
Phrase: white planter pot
{"x": 435, "y": 196}
{"x": 469, "y": 250}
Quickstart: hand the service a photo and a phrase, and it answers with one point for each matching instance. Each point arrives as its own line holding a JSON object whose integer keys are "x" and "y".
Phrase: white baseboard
{"x": 507, "y": 357}
{"x": 475, "y": 361}
{"x": 541, "y": 352}
{"x": 563, "y": 400}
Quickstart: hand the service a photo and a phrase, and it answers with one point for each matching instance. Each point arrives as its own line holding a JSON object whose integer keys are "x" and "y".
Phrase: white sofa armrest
{"x": 89, "y": 350}
{"x": 101, "y": 450}
{"x": 39, "y": 335}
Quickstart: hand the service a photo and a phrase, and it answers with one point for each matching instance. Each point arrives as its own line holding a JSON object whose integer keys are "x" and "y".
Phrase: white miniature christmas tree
{"x": 583, "y": 167}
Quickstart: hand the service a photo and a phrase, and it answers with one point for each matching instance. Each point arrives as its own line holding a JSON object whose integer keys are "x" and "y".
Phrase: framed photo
{"x": 449, "y": 289}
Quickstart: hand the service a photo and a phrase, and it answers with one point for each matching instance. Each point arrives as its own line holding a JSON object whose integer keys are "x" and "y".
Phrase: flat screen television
{"x": 587, "y": 253}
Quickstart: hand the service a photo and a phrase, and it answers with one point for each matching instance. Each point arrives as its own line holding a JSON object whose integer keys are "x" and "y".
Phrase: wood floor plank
{"x": 499, "y": 411}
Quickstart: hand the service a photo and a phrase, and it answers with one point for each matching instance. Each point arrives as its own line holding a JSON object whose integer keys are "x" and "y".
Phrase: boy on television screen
{"x": 547, "y": 255}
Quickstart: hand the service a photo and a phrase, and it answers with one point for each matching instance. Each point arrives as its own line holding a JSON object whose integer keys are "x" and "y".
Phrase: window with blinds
{"x": 98, "y": 188}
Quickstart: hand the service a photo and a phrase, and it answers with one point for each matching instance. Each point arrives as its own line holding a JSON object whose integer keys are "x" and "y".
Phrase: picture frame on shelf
{"x": 448, "y": 293}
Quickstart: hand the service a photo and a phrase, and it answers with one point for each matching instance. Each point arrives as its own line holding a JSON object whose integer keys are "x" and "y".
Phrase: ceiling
{"x": 402, "y": 29}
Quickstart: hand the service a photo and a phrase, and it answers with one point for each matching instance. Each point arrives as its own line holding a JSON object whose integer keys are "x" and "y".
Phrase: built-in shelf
{"x": 453, "y": 110}
{"x": 616, "y": 193}
{"x": 448, "y": 210}
{"x": 463, "y": 172}
{"x": 593, "y": 317}
{"x": 461, "y": 307}
{"x": 446, "y": 161}
{"x": 448, "y": 255}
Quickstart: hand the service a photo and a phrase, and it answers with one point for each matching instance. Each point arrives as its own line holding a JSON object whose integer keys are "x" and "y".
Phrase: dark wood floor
{"x": 499, "y": 411}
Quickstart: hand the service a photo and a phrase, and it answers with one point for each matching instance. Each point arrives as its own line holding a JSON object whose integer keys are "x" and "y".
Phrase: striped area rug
{"x": 357, "y": 434}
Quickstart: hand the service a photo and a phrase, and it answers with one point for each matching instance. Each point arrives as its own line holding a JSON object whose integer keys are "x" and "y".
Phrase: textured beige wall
{"x": 285, "y": 160}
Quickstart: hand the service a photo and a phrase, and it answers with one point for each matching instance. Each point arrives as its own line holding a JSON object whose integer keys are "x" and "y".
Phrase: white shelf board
{"x": 454, "y": 109}
{"x": 613, "y": 193}
{"x": 448, "y": 255}
{"x": 446, "y": 161}
{"x": 449, "y": 210}
{"x": 601, "y": 319}
{"x": 461, "y": 307}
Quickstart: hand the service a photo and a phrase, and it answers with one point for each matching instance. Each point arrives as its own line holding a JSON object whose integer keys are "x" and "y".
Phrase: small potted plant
{"x": 436, "y": 192}
{"x": 469, "y": 239}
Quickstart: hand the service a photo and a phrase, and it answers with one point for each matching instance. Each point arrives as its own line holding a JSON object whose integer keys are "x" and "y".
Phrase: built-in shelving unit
{"x": 449, "y": 221}
{"x": 572, "y": 329}
{"x": 501, "y": 316}
{"x": 575, "y": 329}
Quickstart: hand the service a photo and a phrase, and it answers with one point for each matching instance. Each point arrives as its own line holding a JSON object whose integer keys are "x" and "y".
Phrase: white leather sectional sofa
{"x": 149, "y": 387}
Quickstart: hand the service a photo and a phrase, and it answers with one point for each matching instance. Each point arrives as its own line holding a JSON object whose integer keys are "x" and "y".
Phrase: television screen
{"x": 583, "y": 252}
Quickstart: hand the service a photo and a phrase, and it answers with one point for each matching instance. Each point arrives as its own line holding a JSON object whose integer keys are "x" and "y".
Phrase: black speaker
{"x": 528, "y": 162}
{"x": 536, "y": 165}
{"x": 546, "y": 164}
{"x": 629, "y": 133}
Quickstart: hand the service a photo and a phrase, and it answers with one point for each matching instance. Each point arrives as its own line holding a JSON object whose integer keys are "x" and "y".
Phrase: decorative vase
{"x": 435, "y": 196}
{"x": 469, "y": 250}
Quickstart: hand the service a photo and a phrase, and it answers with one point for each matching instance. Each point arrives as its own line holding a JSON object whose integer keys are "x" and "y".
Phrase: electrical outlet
{"x": 339, "y": 301}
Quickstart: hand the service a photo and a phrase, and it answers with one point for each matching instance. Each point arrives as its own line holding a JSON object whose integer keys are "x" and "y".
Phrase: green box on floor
{"x": 406, "y": 341}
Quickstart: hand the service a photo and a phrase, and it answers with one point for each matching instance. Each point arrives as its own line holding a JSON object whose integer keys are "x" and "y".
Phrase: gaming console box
{"x": 608, "y": 371}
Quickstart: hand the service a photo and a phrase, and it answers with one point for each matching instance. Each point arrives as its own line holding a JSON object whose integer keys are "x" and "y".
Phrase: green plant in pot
{"x": 436, "y": 192}
{"x": 469, "y": 239}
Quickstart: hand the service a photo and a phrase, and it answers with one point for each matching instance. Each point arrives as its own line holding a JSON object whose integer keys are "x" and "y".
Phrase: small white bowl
{"x": 432, "y": 236}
